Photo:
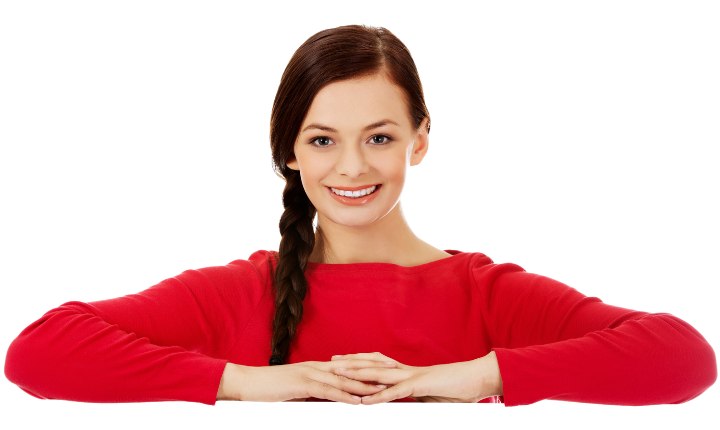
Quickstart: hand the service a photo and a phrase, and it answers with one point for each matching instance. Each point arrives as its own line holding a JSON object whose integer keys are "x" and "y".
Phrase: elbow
{"x": 22, "y": 365}
{"x": 34, "y": 359}
{"x": 701, "y": 371}
{"x": 694, "y": 367}
{"x": 678, "y": 363}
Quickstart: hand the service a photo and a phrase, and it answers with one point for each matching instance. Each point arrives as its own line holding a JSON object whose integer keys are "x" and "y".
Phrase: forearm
{"x": 70, "y": 354}
{"x": 656, "y": 359}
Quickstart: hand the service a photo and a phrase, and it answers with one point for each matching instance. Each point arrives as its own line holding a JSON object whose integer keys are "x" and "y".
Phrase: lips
{"x": 355, "y": 201}
{"x": 362, "y": 187}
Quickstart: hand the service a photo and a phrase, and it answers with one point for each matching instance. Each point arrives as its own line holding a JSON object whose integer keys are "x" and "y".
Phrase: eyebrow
{"x": 376, "y": 124}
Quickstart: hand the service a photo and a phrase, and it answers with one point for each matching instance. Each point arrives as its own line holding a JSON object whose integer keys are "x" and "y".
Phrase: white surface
{"x": 575, "y": 139}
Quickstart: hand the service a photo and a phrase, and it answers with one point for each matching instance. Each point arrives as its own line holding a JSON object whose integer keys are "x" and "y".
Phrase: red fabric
{"x": 171, "y": 341}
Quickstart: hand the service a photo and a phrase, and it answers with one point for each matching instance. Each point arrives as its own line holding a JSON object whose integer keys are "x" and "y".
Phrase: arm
{"x": 169, "y": 342}
{"x": 161, "y": 344}
{"x": 552, "y": 342}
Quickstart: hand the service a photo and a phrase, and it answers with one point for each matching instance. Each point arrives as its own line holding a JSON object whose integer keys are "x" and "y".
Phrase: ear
{"x": 420, "y": 145}
{"x": 292, "y": 163}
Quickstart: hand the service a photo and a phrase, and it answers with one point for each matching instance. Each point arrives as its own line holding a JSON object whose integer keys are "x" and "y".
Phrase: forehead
{"x": 354, "y": 103}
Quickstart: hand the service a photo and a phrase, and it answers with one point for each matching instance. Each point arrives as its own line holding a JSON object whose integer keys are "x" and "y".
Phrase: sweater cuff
{"x": 533, "y": 373}
{"x": 527, "y": 375}
{"x": 506, "y": 362}
{"x": 209, "y": 373}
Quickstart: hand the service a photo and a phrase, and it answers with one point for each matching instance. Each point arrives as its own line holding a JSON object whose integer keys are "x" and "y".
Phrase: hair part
{"x": 331, "y": 55}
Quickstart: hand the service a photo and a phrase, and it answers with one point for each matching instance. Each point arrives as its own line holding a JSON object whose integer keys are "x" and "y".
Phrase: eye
{"x": 321, "y": 141}
{"x": 380, "y": 139}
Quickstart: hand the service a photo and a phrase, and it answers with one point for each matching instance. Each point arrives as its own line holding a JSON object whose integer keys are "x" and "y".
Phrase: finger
{"x": 375, "y": 356}
{"x": 379, "y": 375}
{"x": 346, "y": 384}
{"x": 399, "y": 391}
{"x": 321, "y": 390}
{"x": 359, "y": 388}
{"x": 360, "y": 364}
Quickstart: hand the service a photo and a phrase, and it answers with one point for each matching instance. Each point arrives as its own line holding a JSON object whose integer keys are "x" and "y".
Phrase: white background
{"x": 577, "y": 139}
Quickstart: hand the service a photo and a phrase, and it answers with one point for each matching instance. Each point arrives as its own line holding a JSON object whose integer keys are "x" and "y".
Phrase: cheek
{"x": 313, "y": 171}
{"x": 392, "y": 166}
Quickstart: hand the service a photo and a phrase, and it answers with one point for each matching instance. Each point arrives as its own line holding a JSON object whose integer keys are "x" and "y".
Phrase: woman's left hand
{"x": 466, "y": 381}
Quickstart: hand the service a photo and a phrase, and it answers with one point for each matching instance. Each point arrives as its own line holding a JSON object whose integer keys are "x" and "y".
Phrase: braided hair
{"x": 297, "y": 243}
{"x": 328, "y": 56}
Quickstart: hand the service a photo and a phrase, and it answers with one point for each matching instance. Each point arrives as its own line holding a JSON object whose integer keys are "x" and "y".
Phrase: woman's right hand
{"x": 296, "y": 382}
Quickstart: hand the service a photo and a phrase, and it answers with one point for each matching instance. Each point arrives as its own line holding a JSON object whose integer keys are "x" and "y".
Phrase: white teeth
{"x": 354, "y": 194}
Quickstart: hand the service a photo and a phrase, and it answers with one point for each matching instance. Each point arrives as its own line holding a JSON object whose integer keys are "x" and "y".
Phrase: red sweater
{"x": 171, "y": 341}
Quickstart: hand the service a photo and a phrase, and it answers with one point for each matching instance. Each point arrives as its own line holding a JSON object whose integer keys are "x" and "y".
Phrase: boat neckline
{"x": 454, "y": 254}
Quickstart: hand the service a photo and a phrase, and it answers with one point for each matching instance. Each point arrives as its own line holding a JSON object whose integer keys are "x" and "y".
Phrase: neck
{"x": 388, "y": 239}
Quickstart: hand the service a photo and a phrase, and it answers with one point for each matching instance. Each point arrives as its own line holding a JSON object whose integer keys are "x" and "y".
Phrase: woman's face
{"x": 357, "y": 134}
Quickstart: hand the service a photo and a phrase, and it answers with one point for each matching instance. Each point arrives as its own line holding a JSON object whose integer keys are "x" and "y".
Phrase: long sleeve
{"x": 552, "y": 342}
{"x": 169, "y": 342}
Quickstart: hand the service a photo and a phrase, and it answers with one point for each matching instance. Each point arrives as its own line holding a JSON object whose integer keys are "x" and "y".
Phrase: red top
{"x": 171, "y": 341}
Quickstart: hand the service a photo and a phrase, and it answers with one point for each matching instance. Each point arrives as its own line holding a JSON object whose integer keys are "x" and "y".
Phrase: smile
{"x": 354, "y": 194}
{"x": 359, "y": 197}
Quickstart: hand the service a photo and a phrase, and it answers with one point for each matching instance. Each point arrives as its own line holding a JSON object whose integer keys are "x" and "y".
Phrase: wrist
{"x": 488, "y": 379}
{"x": 229, "y": 382}
{"x": 493, "y": 379}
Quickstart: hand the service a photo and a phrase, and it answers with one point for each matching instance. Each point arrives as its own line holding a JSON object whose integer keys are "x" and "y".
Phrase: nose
{"x": 351, "y": 161}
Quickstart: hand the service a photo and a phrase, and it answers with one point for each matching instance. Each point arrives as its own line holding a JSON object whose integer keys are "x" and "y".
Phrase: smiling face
{"x": 357, "y": 134}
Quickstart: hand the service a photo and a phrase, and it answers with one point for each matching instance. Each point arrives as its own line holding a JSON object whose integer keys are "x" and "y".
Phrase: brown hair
{"x": 328, "y": 56}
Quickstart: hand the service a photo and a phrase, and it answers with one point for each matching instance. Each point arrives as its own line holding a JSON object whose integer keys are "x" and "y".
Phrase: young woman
{"x": 358, "y": 309}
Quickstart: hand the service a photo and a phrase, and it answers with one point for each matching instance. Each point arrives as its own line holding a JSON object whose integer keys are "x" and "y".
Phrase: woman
{"x": 358, "y": 310}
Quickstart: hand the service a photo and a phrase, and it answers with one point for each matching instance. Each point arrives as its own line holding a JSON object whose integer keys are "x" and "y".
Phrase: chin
{"x": 356, "y": 216}
{"x": 353, "y": 221}
{"x": 358, "y": 219}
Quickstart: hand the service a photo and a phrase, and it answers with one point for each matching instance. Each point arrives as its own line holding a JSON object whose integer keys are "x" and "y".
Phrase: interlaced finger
{"x": 353, "y": 363}
{"x": 395, "y": 392}
{"x": 321, "y": 390}
{"x": 348, "y": 385}
{"x": 374, "y": 356}
{"x": 379, "y": 375}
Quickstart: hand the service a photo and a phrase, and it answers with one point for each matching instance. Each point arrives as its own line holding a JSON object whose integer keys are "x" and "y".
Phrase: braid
{"x": 296, "y": 245}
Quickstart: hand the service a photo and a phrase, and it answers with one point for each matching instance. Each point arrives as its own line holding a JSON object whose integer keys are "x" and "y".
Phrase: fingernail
{"x": 382, "y": 387}
{"x": 356, "y": 398}
{"x": 391, "y": 363}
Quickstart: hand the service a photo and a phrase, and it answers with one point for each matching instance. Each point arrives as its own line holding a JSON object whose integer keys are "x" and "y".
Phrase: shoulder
{"x": 479, "y": 265}
{"x": 260, "y": 261}
{"x": 251, "y": 276}
{"x": 512, "y": 282}
{"x": 510, "y": 278}
{"x": 473, "y": 268}
{"x": 258, "y": 267}
{"x": 484, "y": 268}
